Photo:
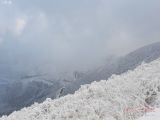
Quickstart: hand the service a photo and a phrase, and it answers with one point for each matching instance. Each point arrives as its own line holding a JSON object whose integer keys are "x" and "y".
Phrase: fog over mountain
{"x": 51, "y": 47}
{"x": 58, "y": 36}
{"x": 36, "y": 88}
{"x": 116, "y": 66}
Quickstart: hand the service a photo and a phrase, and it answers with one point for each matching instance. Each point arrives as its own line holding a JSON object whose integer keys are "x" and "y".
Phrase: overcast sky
{"x": 65, "y": 34}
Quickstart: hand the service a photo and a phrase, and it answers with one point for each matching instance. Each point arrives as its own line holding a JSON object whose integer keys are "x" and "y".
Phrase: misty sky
{"x": 59, "y": 35}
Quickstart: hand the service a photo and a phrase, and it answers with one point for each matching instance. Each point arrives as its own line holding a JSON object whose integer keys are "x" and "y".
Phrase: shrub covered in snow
{"x": 155, "y": 115}
{"x": 122, "y": 97}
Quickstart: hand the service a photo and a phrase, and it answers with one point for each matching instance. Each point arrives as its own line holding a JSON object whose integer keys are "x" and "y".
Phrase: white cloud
{"x": 120, "y": 41}
{"x": 1, "y": 40}
{"x": 20, "y": 25}
{"x": 6, "y": 2}
{"x": 41, "y": 22}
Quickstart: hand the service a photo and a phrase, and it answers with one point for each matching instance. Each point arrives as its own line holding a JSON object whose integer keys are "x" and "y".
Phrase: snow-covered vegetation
{"x": 117, "y": 66}
{"x": 21, "y": 93}
{"x": 24, "y": 88}
{"x": 155, "y": 115}
{"x": 122, "y": 97}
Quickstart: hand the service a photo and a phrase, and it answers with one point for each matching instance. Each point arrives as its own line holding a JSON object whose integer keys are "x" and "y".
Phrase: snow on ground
{"x": 123, "y": 97}
{"x": 155, "y": 115}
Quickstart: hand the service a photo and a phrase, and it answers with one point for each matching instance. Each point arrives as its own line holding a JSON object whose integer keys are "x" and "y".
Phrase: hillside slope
{"x": 117, "y": 66}
{"x": 105, "y": 100}
{"x": 22, "y": 93}
{"x": 17, "y": 93}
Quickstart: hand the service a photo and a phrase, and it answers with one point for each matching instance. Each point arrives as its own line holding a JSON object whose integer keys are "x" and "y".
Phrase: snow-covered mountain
{"x": 122, "y": 97}
{"x": 22, "y": 93}
{"x": 117, "y": 66}
{"x": 23, "y": 78}
{"x": 16, "y": 94}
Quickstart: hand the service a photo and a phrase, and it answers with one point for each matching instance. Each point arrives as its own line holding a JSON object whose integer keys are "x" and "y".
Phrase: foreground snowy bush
{"x": 124, "y": 97}
{"x": 155, "y": 115}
